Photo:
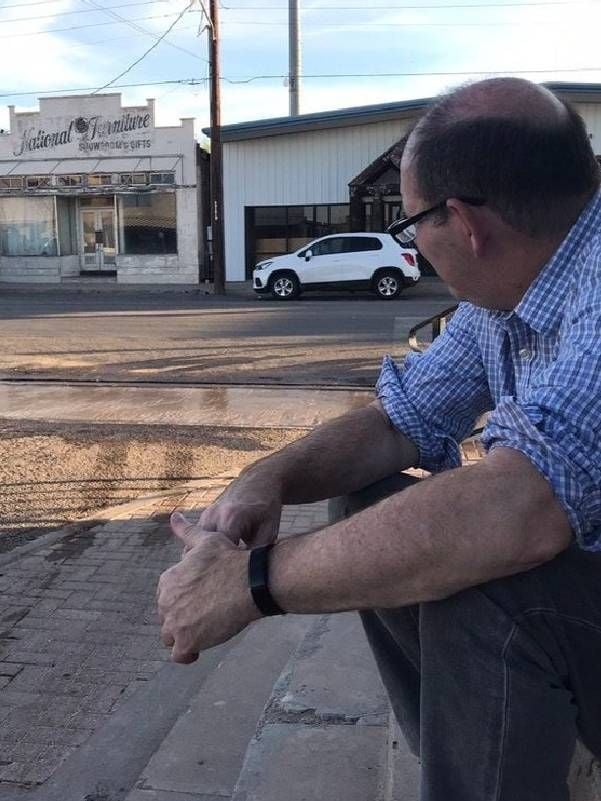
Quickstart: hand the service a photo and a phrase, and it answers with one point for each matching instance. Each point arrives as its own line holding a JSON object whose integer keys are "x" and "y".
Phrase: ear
{"x": 473, "y": 222}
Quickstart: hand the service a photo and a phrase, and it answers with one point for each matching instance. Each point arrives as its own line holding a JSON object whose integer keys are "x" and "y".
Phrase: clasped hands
{"x": 204, "y": 599}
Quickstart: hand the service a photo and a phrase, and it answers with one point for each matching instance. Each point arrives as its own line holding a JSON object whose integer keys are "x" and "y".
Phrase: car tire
{"x": 284, "y": 286}
{"x": 388, "y": 284}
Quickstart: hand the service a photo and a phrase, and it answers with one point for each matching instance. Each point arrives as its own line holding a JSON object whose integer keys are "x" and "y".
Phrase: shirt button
{"x": 524, "y": 353}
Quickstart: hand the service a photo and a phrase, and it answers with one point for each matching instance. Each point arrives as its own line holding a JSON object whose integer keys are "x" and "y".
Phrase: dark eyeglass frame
{"x": 398, "y": 226}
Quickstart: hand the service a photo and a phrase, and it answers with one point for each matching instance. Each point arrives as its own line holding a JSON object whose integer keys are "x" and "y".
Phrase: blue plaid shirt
{"x": 536, "y": 368}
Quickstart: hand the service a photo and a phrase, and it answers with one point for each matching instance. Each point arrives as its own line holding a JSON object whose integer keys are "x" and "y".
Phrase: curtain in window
{"x": 148, "y": 224}
{"x": 27, "y": 226}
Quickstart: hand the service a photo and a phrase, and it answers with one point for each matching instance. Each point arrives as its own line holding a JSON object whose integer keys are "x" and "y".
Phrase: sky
{"x": 354, "y": 52}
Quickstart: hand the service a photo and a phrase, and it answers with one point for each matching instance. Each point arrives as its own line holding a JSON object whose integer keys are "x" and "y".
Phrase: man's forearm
{"x": 338, "y": 457}
{"x": 460, "y": 529}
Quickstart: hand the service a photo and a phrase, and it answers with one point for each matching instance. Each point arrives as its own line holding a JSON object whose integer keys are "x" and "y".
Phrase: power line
{"x": 417, "y": 74}
{"x": 150, "y": 49}
{"x": 91, "y": 25}
{"x": 139, "y": 28}
{"x": 412, "y": 7}
{"x": 128, "y": 37}
{"x": 182, "y": 81}
{"x": 79, "y": 11}
{"x": 202, "y": 81}
{"x": 496, "y": 24}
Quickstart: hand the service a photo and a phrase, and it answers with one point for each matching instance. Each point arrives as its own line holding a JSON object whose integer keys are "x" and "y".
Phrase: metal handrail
{"x": 438, "y": 322}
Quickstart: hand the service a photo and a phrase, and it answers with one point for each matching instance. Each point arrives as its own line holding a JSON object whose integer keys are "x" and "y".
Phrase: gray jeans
{"x": 493, "y": 685}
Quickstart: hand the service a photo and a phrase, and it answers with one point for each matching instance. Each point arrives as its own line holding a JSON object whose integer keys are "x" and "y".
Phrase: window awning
{"x": 34, "y": 167}
{"x": 75, "y": 166}
{"x": 117, "y": 165}
{"x": 86, "y": 166}
{"x": 158, "y": 163}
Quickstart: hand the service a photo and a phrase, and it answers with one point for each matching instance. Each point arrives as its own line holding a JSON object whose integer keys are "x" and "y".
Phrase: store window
{"x": 69, "y": 180}
{"x": 28, "y": 226}
{"x": 274, "y": 230}
{"x": 100, "y": 179}
{"x": 133, "y": 178}
{"x": 11, "y": 182}
{"x": 67, "y": 225}
{"x": 147, "y": 224}
{"x": 38, "y": 181}
{"x": 162, "y": 178}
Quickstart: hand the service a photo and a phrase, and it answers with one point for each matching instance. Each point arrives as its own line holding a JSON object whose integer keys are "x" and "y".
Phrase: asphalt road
{"x": 173, "y": 337}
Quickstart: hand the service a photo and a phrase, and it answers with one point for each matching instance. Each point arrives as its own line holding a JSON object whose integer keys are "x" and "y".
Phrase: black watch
{"x": 258, "y": 581}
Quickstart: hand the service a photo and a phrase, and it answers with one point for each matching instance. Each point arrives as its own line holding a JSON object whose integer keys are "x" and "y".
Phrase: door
{"x": 327, "y": 263}
{"x": 363, "y": 256}
{"x": 98, "y": 228}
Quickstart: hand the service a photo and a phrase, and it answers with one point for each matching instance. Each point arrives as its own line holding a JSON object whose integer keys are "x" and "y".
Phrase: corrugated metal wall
{"x": 295, "y": 169}
{"x": 308, "y": 168}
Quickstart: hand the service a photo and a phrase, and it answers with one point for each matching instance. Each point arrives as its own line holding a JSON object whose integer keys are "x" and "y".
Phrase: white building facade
{"x": 89, "y": 187}
{"x": 290, "y": 180}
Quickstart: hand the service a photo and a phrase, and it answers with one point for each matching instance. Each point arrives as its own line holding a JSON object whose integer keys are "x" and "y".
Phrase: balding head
{"x": 511, "y": 143}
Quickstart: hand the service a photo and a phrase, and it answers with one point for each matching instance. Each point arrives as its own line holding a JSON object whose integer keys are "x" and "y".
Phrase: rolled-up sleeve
{"x": 434, "y": 398}
{"x": 557, "y": 421}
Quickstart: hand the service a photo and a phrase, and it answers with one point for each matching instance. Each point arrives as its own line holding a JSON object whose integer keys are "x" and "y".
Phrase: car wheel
{"x": 284, "y": 286}
{"x": 388, "y": 284}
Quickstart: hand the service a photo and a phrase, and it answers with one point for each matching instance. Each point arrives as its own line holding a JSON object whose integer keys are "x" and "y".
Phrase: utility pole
{"x": 217, "y": 235}
{"x": 294, "y": 55}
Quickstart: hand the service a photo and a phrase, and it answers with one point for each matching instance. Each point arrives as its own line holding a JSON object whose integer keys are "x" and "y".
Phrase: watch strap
{"x": 258, "y": 581}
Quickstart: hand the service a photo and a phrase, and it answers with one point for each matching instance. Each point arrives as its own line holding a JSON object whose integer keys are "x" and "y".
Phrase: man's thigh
{"x": 558, "y": 605}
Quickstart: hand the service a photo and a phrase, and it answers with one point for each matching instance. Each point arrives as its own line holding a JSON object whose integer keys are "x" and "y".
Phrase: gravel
{"x": 55, "y": 474}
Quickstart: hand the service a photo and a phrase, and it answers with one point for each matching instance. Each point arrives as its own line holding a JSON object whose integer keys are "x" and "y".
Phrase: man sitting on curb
{"x": 479, "y": 588}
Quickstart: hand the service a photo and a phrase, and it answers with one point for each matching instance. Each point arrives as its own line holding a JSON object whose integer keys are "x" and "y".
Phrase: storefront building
{"x": 292, "y": 179}
{"x": 90, "y": 188}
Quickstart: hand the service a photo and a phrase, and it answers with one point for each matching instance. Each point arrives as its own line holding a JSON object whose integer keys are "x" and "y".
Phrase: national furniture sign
{"x": 129, "y": 132}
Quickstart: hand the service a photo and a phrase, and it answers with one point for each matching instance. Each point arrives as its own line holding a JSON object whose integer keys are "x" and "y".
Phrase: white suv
{"x": 341, "y": 261}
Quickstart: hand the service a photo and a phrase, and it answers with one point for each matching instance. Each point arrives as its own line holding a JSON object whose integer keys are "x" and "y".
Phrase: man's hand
{"x": 204, "y": 600}
{"x": 248, "y": 510}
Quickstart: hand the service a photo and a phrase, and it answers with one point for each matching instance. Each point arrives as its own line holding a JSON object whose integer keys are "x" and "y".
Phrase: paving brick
{"x": 21, "y": 658}
{"x": 52, "y": 735}
{"x": 7, "y": 668}
{"x": 31, "y": 678}
{"x": 77, "y": 614}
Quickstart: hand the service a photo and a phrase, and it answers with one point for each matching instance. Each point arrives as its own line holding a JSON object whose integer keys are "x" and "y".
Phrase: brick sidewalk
{"x": 79, "y": 630}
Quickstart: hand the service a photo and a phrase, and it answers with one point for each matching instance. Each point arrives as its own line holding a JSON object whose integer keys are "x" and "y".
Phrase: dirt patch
{"x": 54, "y": 474}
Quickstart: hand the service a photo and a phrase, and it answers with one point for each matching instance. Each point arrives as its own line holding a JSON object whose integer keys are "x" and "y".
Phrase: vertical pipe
{"x": 294, "y": 54}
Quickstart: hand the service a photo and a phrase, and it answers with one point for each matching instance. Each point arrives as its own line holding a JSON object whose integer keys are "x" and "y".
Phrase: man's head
{"x": 518, "y": 148}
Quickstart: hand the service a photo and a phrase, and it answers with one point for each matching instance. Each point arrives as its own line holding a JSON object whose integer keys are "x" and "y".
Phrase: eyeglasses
{"x": 405, "y": 231}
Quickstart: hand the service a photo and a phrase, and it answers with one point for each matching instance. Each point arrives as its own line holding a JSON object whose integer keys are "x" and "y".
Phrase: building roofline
{"x": 576, "y": 92}
{"x": 338, "y": 118}
{"x": 363, "y": 115}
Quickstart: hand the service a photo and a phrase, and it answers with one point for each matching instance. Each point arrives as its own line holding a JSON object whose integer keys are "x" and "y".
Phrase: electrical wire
{"x": 517, "y": 4}
{"x": 182, "y": 81}
{"x": 202, "y": 81}
{"x": 90, "y": 25}
{"x": 150, "y": 49}
{"x": 139, "y": 28}
{"x": 511, "y": 71}
{"x": 345, "y": 25}
{"x": 410, "y": 7}
{"x": 80, "y": 11}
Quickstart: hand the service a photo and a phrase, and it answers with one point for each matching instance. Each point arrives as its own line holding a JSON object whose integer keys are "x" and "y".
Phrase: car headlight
{"x": 263, "y": 265}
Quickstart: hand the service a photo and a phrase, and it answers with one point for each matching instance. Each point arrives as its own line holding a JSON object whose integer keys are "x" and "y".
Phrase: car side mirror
{"x": 308, "y": 255}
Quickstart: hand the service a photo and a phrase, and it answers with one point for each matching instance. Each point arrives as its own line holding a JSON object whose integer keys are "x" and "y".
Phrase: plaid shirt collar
{"x": 541, "y": 306}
